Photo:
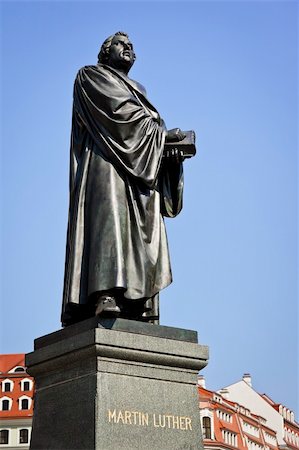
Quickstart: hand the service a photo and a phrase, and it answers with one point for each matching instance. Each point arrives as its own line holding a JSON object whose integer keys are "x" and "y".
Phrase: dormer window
{"x": 19, "y": 369}
{"x": 24, "y": 402}
{"x": 6, "y": 403}
{"x": 7, "y": 385}
{"x": 26, "y": 384}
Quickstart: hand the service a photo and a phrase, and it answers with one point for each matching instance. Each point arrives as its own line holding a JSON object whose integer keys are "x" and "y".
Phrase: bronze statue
{"x": 122, "y": 183}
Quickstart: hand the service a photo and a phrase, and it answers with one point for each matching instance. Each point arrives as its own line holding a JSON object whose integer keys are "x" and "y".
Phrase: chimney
{"x": 224, "y": 393}
{"x": 247, "y": 379}
{"x": 201, "y": 381}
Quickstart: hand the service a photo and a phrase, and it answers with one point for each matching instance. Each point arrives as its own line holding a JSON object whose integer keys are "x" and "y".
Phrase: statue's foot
{"x": 106, "y": 307}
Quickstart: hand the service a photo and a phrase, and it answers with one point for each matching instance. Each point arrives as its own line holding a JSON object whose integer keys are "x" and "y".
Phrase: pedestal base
{"x": 116, "y": 384}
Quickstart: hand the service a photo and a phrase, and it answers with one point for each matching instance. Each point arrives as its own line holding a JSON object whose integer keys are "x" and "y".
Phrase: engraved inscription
{"x": 170, "y": 421}
{"x": 128, "y": 417}
{"x": 143, "y": 419}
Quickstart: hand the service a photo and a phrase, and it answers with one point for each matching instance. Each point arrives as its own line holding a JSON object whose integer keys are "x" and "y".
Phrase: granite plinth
{"x": 117, "y": 384}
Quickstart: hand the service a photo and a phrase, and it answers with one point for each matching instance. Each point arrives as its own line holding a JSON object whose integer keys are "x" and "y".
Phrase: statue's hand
{"x": 175, "y": 135}
{"x": 173, "y": 155}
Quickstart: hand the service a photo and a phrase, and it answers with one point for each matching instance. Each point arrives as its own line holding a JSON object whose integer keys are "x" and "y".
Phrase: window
{"x": 206, "y": 427}
{"x": 26, "y": 386}
{"x": 230, "y": 438}
{"x": 4, "y": 436}
{"x": 270, "y": 439}
{"x": 250, "y": 429}
{"x": 25, "y": 403}
{"x": 254, "y": 445}
{"x": 222, "y": 415}
{"x": 217, "y": 398}
{"x": 5, "y": 405}
{"x": 7, "y": 385}
{"x": 24, "y": 436}
{"x": 19, "y": 369}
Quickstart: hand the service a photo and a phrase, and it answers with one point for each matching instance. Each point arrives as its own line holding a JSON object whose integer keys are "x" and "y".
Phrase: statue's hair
{"x": 103, "y": 55}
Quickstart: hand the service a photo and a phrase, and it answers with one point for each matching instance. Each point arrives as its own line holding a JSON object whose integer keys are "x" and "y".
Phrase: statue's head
{"x": 117, "y": 51}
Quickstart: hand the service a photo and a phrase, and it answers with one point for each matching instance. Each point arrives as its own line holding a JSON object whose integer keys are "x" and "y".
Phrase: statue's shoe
{"x": 106, "y": 307}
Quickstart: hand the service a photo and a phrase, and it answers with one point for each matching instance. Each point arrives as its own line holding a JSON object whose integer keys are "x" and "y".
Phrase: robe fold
{"x": 120, "y": 189}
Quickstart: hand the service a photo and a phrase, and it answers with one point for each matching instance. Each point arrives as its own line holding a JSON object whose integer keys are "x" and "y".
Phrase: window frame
{"x": 19, "y": 369}
{"x": 8, "y": 436}
{"x": 7, "y": 381}
{"x": 30, "y": 383}
{"x": 6, "y": 399}
{"x": 206, "y": 428}
{"x": 20, "y": 435}
{"x": 21, "y": 399}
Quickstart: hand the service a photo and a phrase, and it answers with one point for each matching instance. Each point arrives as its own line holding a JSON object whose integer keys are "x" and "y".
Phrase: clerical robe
{"x": 120, "y": 189}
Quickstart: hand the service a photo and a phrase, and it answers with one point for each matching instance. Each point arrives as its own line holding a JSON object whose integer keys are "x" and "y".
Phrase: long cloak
{"x": 120, "y": 188}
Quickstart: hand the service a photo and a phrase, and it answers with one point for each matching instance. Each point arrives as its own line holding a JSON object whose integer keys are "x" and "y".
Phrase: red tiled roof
{"x": 8, "y": 362}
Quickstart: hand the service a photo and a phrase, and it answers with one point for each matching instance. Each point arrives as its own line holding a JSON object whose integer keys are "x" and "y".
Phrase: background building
{"x": 16, "y": 402}
{"x": 238, "y": 417}
{"x": 278, "y": 416}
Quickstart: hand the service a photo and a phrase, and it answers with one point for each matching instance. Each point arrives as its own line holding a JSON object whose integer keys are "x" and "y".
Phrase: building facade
{"x": 237, "y": 417}
{"x": 229, "y": 425}
{"x": 279, "y": 418}
{"x": 16, "y": 402}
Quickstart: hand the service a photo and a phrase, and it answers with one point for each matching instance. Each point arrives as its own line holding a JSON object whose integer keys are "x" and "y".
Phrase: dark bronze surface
{"x": 120, "y": 189}
{"x": 186, "y": 147}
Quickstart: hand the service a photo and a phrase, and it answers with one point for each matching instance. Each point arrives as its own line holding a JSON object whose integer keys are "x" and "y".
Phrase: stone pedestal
{"x": 116, "y": 384}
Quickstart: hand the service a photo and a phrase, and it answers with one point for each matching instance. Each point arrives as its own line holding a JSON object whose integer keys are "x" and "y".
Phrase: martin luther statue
{"x": 122, "y": 183}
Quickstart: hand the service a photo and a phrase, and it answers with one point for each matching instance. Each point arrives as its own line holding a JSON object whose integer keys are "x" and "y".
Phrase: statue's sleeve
{"x": 171, "y": 183}
{"x": 121, "y": 123}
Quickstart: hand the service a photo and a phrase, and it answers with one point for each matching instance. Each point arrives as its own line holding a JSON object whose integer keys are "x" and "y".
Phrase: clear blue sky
{"x": 226, "y": 70}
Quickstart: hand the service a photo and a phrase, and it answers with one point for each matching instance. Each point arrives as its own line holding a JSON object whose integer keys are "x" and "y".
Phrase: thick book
{"x": 186, "y": 146}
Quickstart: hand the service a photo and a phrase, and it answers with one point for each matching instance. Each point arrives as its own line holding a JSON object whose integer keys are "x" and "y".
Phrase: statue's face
{"x": 121, "y": 54}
